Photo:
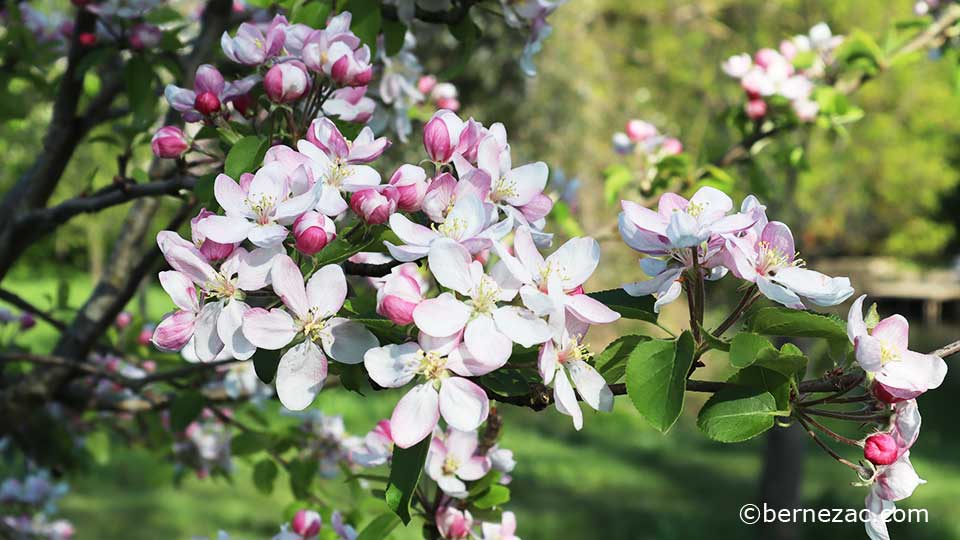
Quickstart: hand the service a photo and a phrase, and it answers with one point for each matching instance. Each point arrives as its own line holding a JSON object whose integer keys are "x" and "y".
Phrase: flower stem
{"x": 824, "y": 446}
{"x": 749, "y": 297}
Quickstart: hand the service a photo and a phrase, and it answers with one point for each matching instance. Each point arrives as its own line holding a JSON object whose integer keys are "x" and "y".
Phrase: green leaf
{"x": 353, "y": 377}
{"x": 186, "y": 407}
{"x": 245, "y": 156}
{"x": 788, "y": 361}
{"x": 467, "y": 33}
{"x": 98, "y": 444}
{"x": 657, "y": 379}
{"x": 366, "y": 21}
{"x": 301, "y": 473}
{"x": 264, "y": 475}
{"x": 766, "y": 380}
{"x": 379, "y": 528}
{"x": 313, "y": 14}
{"x": 342, "y": 249}
{"x": 612, "y": 362}
{"x": 394, "y": 33}
{"x": 204, "y": 190}
{"x": 616, "y": 178}
{"x": 405, "y": 469}
{"x": 138, "y": 76}
{"x": 265, "y": 364}
{"x": 736, "y": 414}
{"x": 509, "y": 382}
{"x": 497, "y": 495}
{"x": 629, "y": 307}
{"x": 745, "y": 347}
{"x": 713, "y": 341}
{"x": 249, "y": 442}
{"x": 385, "y": 330}
{"x": 776, "y": 321}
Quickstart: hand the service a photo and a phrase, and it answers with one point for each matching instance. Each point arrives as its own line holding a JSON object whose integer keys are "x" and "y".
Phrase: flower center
{"x": 223, "y": 287}
{"x": 432, "y": 365}
{"x": 450, "y": 466}
{"x": 574, "y": 350}
{"x": 504, "y": 189}
{"x": 888, "y": 353}
{"x": 337, "y": 174}
{"x": 695, "y": 209}
{"x": 452, "y": 228}
{"x": 263, "y": 208}
{"x": 313, "y": 325}
{"x": 485, "y": 296}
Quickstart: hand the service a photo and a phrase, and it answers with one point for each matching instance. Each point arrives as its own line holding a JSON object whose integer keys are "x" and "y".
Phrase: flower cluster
{"x": 702, "y": 236}
{"x": 204, "y": 446}
{"x": 790, "y": 73}
{"x": 898, "y": 376}
{"x": 644, "y": 138}
{"x": 28, "y": 503}
{"x": 530, "y": 16}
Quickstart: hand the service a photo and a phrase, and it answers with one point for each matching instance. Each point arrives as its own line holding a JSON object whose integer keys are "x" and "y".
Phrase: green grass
{"x": 617, "y": 479}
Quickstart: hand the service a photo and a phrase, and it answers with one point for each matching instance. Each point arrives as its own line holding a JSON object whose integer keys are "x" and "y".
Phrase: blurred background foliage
{"x": 889, "y": 187}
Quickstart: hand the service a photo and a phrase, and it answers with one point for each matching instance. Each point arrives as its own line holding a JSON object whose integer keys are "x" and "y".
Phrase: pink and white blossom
{"x": 209, "y": 95}
{"x": 453, "y": 460}
{"x": 312, "y": 231}
{"x": 444, "y": 390}
{"x": 882, "y": 352}
{"x": 505, "y": 530}
{"x": 401, "y": 293}
{"x": 563, "y": 360}
{"x": 251, "y": 46}
{"x": 350, "y": 104}
{"x": 454, "y": 524}
{"x": 310, "y": 313}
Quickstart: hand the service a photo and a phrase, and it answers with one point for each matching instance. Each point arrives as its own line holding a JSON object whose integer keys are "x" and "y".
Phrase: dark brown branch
{"x": 452, "y": 16}
{"x": 369, "y": 270}
{"x": 22, "y": 304}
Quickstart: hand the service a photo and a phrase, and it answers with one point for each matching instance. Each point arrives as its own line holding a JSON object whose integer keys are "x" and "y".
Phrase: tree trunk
{"x": 782, "y": 478}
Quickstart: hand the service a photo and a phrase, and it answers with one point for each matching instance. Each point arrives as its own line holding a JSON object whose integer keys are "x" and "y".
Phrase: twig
{"x": 22, "y": 304}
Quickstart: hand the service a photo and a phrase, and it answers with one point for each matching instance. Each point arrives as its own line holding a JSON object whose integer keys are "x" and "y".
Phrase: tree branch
{"x": 22, "y": 304}
{"x": 453, "y": 16}
{"x": 369, "y": 270}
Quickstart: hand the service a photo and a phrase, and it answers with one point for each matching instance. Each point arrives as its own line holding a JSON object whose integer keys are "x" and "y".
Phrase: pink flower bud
{"x": 454, "y": 524}
{"x": 286, "y": 82}
{"x": 149, "y": 366}
{"x": 426, "y": 84}
{"x": 756, "y": 109}
{"x": 306, "y": 523}
{"x": 123, "y": 320}
{"x": 880, "y": 449}
{"x": 145, "y": 36}
{"x": 401, "y": 294}
{"x": 169, "y": 142}
{"x": 145, "y": 336}
{"x": 313, "y": 231}
{"x": 639, "y": 131}
{"x": 88, "y": 39}
{"x": 242, "y": 103}
{"x": 411, "y": 184}
{"x": 375, "y": 206}
{"x": 27, "y": 321}
{"x": 206, "y": 103}
{"x": 452, "y": 104}
{"x": 438, "y": 139}
{"x": 213, "y": 251}
{"x": 788, "y": 49}
{"x": 672, "y": 147}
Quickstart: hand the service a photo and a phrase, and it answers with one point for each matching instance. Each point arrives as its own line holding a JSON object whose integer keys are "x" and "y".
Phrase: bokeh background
{"x": 888, "y": 189}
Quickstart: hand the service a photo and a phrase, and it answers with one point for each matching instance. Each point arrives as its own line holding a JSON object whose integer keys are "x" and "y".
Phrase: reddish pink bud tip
{"x": 207, "y": 103}
{"x": 880, "y": 449}
{"x": 306, "y": 523}
{"x": 88, "y": 39}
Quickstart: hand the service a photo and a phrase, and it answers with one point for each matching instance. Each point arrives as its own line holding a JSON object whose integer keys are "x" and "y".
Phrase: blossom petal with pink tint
{"x": 578, "y": 257}
{"x": 415, "y": 415}
{"x": 521, "y": 325}
{"x": 327, "y": 290}
{"x": 590, "y": 385}
{"x": 288, "y": 284}
{"x": 485, "y": 342}
{"x": 450, "y": 264}
{"x": 231, "y": 197}
{"x": 894, "y": 330}
{"x": 869, "y": 353}
{"x": 565, "y": 399}
{"x": 254, "y": 271}
{"x": 392, "y": 366}
{"x": 474, "y": 468}
{"x": 181, "y": 290}
{"x": 300, "y": 375}
{"x": 410, "y": 232}
{"x": 526, "y": 182}
{"x": 229, "y": 329}
{"x": 589, "y": 310}
{"x": 174, "y": 331}
{"x": 225, "y": 229}
{"x": 441, "y": 316}
{"x": 463, "y": 404}
{"x": 207, "y": 342}
{"x": 271, "y": 330}
{"x": 462, "y": 362}
{"x": 913, "y": 371}
{"x": 267, "y": 235}
{"x": 347, "y": 341}
{"x": 899, "y": 480}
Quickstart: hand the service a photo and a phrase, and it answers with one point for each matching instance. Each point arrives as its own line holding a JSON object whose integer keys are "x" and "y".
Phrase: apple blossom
{"x": 411, "y": 183}
{"x": 882, "y": 352}
{"x": 441, "y": 134}
{"x": 489, "y": 330}
{"x": 306, "y": 523}
{"x": 505, "y": 530}
{"x": 453, "y": 460}
{"x": 400, "y": 294}
{"x": 454, "y": 524}
{"x": 209, "y": 94}
{"x": 891, "y": 483}
{"x": 375, "y": 205}
{"x": 286, "y": 81}
{"x": 259, "y": 211}
{"x": 311, "y": 314}
{"x": 377, "y": 446}
{"x": 444, "y": 191}
{"x": 312, "y": 232}
{"x": 563, "y": 359}
{"x": 737, "y": 65}
{"x": 251, "y": 46}
{"x": 755, "y": 109}
{"x": 566, "y": 269}
{"x": 639, "y": 131}
{"x": 444, "y": 390}
{"x": 169, "y": 142}
{"x": 123, "y": 320}
{"x": 467, "y": 223}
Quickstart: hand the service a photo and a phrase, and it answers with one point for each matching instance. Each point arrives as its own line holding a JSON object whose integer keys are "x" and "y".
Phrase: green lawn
{"x": 616, "y": 479}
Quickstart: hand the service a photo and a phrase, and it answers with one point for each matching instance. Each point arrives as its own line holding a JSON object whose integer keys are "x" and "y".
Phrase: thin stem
{"x": 692, "y": 308}
{"x": 852, "y": 416}
{"x": 827, "y": 431}
{"x": 826, "y": 448}
{"x": 833, "y": 397}
{"x": 749, "y": 297}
